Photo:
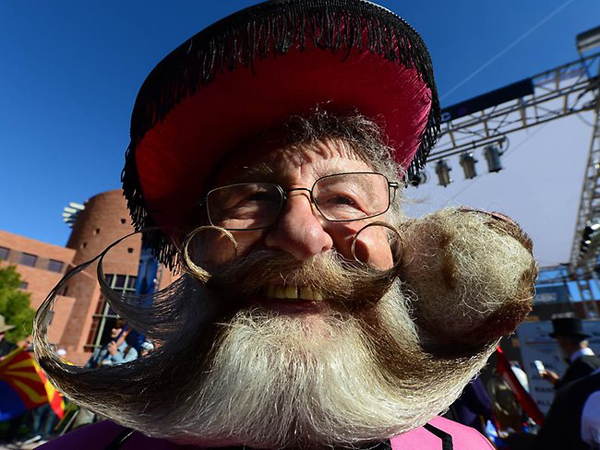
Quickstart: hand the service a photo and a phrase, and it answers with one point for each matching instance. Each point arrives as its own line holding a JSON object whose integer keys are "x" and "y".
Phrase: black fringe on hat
{"x": 269, "y": 29}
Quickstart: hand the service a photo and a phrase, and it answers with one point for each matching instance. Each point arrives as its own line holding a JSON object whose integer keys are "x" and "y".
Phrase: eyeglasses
{"x": 342, "y": 197}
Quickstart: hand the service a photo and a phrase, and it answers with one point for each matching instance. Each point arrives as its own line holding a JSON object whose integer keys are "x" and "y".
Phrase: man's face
{"x": 301, "y": 231}
{"x": 115, "y": 331}
{"x": 566, "y": 347}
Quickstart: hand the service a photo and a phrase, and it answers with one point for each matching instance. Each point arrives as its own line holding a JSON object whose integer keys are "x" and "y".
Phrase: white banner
{"x": 537, "y": 345}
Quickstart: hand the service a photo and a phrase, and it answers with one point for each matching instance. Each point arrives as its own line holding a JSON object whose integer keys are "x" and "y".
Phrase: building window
{"x": 84, "y": 245}
{"x": 104, "y": 316}
{"x": 130, "y": 250}
{"x": 4, "y": 253}
{"x": 97, "y": 231}
{"x": 28, "y": 259}
{"x": 23, "y": 285}
{"x": 123, "y": 221}
{"x": 55, "y": 266}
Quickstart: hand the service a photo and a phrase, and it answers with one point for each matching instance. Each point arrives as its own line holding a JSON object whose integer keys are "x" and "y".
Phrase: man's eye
{"x": 341, "y": 200}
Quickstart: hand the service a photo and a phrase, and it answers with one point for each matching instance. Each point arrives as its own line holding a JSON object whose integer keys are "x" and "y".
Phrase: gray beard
{"x": 277, "y": 381}
{"x": 379, "y": 362}
{"x": 270, "y": 381}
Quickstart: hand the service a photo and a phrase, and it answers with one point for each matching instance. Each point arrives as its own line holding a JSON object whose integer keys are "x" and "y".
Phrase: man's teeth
{"x": 294, "y": 292}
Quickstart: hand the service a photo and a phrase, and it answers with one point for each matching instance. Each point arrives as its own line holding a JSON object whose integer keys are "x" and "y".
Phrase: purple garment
{"x": 473, "y": 405}
{"x": 98, "y": 436}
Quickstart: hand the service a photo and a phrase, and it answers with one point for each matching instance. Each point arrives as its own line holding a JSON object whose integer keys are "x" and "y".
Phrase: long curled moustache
{"x": 370, "y": 379}
{"x": 349, "y": 284}
{"x": 162, "y": 314}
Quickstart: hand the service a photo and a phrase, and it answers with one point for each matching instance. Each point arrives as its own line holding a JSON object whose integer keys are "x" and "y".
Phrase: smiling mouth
{"x": 291, "y": 299}
{"x": 281, "y": 292}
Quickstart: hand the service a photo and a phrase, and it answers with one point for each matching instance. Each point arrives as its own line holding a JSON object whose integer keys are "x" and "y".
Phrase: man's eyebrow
{"x": 257, "y": 172}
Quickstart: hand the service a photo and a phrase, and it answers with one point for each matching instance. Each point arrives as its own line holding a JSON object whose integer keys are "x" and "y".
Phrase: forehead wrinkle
{"x": 330, "y": 149}
{"x": 337, "y": 157}
{"x": 256, "y": 172}
{"x": 291, "y": 162}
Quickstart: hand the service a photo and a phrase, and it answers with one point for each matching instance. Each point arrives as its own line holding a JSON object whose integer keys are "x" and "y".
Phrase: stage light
{"x": 589, "y": 237}
{"x": 442, "y": 169}
{"x": 467, "y": 161}
{"x": 492, "y": 155}
{"x": 588, "y": 40}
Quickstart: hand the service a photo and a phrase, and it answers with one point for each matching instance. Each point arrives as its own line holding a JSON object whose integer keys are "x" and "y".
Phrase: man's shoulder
{"x": 101, "y": 435}
{"x": 572, "y": 395}
{"x": 431, "y": 436}
{"x": 581, "y": 367}
{"x": 592, "y": 361}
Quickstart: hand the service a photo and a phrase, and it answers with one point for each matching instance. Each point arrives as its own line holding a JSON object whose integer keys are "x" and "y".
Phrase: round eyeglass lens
{"x": 352, "y": 196}
{"x": 244, "y": 206}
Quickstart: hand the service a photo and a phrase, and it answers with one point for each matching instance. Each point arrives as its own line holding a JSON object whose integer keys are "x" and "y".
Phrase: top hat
{"x": 567, "y": 326}
{"x": 3, "y": 326}
{"x": 254, "y": 69}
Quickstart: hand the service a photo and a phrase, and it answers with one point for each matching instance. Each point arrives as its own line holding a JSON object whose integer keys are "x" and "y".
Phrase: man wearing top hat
{"x": 5, "y": 346}
{"x": 267, "y": 161}
{"x": 573, "y": 347}
{"x": 573, "y": 420}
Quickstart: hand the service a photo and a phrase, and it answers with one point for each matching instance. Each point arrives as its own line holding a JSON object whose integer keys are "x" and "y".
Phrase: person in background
{"x": 573, "y": 421}
{"x": 590, "y": 414}
{"x": 573, "y": 347}
{"x": 117, "y": 351}
{"x": 520, "y": 374}
{"x": 147, "y": 347}
{"x": 5, "y": 346}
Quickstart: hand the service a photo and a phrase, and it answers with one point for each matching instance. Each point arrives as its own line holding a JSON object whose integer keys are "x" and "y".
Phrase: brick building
{"x": 41, "y": 267}
{"x": 82, "y": 318}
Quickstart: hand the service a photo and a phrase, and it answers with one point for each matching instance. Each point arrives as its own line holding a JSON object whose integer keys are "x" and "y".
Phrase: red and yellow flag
{"x": 21, "y": 374}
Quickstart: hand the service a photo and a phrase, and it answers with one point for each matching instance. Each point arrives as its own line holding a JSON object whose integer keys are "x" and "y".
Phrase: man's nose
{"x": 299, "y": 232}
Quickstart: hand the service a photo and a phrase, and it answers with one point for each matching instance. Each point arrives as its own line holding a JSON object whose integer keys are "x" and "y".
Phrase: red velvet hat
{"x": 253, "y": 70}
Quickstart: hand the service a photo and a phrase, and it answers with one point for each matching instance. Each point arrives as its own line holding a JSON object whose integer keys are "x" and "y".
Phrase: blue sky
{"x": 70, "y": 71}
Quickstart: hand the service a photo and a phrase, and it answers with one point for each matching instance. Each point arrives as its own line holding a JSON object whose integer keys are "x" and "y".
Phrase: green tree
{"x": 14, "y": 304}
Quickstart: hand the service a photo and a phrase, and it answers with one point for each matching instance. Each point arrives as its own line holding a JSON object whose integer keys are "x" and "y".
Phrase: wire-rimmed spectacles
{"x": 341, "y": 197}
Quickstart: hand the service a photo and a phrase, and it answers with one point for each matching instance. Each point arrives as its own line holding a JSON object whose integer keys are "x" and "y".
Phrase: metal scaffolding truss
{"x": 560, "y": 92}
{"x": 589, "y": 205}
{"x": 552, "y": 275}
{"x": 566, "y": 90}
{"x": 575, "y": 282}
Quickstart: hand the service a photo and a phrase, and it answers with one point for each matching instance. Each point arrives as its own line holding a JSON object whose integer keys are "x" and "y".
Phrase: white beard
{"x": 280, "y": 381}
